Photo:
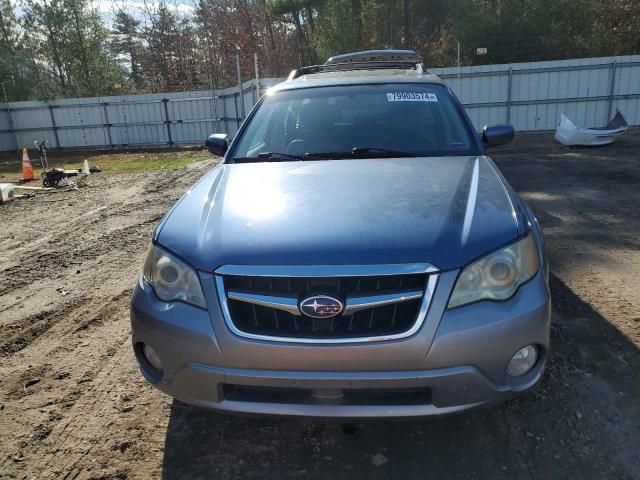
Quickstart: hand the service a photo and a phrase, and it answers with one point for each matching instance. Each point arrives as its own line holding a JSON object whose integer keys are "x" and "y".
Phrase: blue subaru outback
{"x": 355, "y": 254}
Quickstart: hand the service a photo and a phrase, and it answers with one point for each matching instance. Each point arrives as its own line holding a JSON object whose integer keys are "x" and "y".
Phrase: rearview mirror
{"x": 217, "y": 143}
{"x": 495, "y": 135}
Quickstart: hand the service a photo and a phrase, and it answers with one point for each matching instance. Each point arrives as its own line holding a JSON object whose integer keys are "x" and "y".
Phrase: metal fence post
{"x": 107, "y": 124}
{"x": 12, "y": 127}
{"x": 240, "y": 85}
{"x": 254, "y": 96}
{"x": 54, "y": 127}
{"x": 612, "y": 88}
{"x": 256, "y": 90}
{"x": 167, "y": 120}
{"x": 214, "y": 113}
{"x": 509, "y": 87}
{"x": 235, "y": 103}
{"x": 224, "y": 112}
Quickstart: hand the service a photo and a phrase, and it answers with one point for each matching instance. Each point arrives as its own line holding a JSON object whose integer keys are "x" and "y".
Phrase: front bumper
{"x": 459, "y": 357}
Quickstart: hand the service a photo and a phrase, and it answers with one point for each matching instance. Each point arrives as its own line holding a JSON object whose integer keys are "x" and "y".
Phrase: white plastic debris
{"x": 6, "y": 192}
{"x": 568, "y": 133}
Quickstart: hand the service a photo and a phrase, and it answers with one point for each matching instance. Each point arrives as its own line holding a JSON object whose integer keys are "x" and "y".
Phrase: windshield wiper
{"x": 357, "y": 152}
{"x": 269, "y": 156}
{"x": 326, "y": 155}
{"x": 371, "y": 152}
{"x": 377, "y": 151}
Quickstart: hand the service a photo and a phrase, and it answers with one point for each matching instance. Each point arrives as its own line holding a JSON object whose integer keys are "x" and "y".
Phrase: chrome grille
{"x": 377, "y": 306}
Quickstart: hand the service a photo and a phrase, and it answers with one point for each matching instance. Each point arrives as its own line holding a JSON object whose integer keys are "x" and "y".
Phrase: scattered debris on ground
{"x": 568, "y": 133}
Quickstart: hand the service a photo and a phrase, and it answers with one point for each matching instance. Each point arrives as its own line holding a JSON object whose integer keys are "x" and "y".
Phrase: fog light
{"x": 522, "y": 361}
{"x": 152, "y": 357}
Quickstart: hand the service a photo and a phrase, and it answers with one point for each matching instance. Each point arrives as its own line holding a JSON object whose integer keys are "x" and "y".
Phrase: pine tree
{"x": 127, "y": 44}
{"x": 70, "y": 44}
{"x": 16, "y": 62}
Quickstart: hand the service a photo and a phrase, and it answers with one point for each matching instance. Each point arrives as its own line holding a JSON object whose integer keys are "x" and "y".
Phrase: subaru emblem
{"x": 321, "y": 306}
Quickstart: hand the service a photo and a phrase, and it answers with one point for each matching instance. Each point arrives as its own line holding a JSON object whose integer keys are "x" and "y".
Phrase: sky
{"x": 107, "y": 7}
{"x": 136, "y": 7}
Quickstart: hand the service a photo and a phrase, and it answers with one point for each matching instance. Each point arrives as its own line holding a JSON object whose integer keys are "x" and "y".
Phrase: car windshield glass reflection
{"x": 355, "y": 121}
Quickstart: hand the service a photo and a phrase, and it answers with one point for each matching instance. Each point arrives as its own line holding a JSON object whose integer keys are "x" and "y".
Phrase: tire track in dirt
{"x": 21, "y": 334}
{"x": 31, "y": 267}
{"x": 75, "y": 405}
{"x": 28, "y": 266}
{"x": 75, "y": 434}
{"x": 62, "y": 380}
{"x": 64, "y": 326}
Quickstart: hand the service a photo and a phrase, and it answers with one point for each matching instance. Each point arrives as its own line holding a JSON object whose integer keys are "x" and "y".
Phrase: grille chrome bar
{"x": 353, "y": 304}
{"x": 326, "y": 270}
{"x": 363, "y": 302}
{"x": 287, "y": 304}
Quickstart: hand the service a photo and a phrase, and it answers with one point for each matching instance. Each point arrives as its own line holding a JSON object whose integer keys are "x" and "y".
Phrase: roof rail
{"x": 367, "y": 60}
{"x": 376, "y": 56}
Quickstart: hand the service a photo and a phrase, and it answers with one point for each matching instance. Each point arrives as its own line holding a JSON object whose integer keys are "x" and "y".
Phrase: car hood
{"x": 445, "y": 211}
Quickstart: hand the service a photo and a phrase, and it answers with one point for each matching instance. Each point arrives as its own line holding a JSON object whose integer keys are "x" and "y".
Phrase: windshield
{"x": 376, "y": 120}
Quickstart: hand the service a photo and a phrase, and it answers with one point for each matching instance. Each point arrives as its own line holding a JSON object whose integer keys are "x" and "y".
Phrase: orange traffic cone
{"x": 27, "y": 168}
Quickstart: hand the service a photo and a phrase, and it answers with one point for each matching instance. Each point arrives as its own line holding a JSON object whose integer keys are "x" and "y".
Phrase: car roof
{"x": 357, "y": 77}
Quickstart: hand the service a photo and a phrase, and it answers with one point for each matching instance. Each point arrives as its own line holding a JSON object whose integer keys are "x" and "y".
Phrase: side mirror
{"x": 495, "y": 135}
{"x": 217, "y": 143}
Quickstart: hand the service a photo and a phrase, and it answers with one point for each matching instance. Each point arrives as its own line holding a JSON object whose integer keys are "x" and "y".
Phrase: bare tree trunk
{"x": 407, "y": 23}
{"x": 312, "y": 24}
{"x": 57, "y": 61}
{"x": 303, "y": 46}
{"x": 84, "y": 61}
{"x": 356, "y": 14}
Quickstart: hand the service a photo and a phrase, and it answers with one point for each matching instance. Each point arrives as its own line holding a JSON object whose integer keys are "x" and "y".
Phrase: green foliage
{"x": 340, "y": 28}
{"x": 69, "y": 43}
{"x": 530, "y": 30}
{"x": 281, "y": 7}
{"x": 16, "y": 63}
{"x": 126, "y": 44}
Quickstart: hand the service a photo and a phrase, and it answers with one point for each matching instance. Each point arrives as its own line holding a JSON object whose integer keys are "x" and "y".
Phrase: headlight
{"x": 171, "y": 278}
{"x": 498, "y": 275}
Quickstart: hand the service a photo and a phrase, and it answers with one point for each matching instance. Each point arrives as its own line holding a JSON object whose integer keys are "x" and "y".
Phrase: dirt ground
{"x": 73, "y": 405}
